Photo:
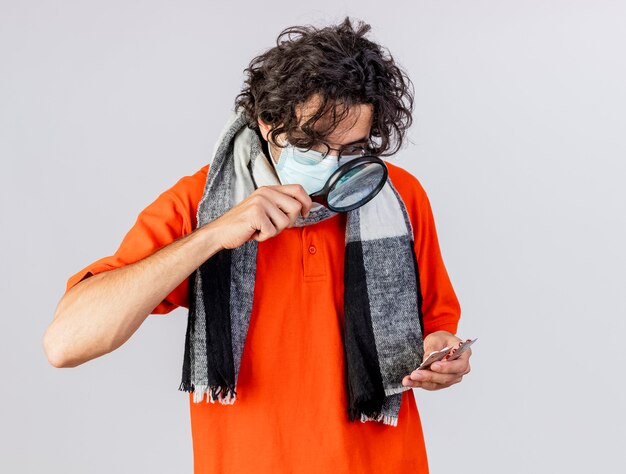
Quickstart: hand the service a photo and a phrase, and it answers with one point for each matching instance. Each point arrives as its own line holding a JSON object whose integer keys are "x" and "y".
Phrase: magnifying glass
{"x": 353, "y": 184}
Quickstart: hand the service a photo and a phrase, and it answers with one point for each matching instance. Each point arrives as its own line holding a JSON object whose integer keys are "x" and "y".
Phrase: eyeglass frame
{"x": 366, "y": 149}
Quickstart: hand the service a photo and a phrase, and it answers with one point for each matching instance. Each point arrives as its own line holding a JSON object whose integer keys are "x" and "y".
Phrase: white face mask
{"x": 304, "y": 167}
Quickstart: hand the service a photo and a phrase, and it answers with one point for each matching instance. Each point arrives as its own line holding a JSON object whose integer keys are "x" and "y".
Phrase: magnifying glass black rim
{"x": 344, "y": 169}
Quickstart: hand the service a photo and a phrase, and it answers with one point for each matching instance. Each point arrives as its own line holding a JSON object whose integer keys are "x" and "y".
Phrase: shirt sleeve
{"x": 441, "y": 310}
{"x": 162, "y": 222}
{"x": 440, "y": 306}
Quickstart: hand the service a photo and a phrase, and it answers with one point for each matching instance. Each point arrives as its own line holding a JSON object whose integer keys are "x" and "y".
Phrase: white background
{"x": 518, "y": 140}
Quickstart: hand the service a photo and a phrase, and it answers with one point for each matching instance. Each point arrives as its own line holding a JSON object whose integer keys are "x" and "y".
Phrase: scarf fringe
{"x": 224, "y": 394}
{"x": 185, "y": 386}
{"x": 386, "y": 419}
{"x": 393, "y": 390}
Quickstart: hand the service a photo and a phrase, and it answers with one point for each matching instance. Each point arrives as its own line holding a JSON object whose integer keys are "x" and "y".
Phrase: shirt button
{"x": 312, "y": 249}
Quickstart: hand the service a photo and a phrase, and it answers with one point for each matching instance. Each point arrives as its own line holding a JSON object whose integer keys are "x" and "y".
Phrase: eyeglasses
{"x": 320, "y": 150}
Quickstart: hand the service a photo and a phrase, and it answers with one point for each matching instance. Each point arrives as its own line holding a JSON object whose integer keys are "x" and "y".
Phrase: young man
{"x": 310, "y": 323}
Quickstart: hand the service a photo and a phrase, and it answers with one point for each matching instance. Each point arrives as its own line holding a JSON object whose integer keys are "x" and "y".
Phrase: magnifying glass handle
{"x": 319, "y": 198}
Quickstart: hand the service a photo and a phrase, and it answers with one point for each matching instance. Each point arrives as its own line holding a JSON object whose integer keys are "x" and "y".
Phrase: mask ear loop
{"x": 282, "y": 155}
{"x": 271, "y": 156}
{"x": 275, "y": 164}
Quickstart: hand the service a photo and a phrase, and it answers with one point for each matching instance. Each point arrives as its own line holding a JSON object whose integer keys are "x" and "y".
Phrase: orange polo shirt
{"x": 290, "y": 413}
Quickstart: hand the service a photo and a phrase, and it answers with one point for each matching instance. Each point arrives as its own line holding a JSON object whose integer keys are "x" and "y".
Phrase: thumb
{"x": 431, "y": 345}
{"x": 436, "y": 341}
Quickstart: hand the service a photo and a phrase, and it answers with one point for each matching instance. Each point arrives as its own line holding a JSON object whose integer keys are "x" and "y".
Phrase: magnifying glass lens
{"x": 356, "y": 186}
{"x": 353, "y": 184}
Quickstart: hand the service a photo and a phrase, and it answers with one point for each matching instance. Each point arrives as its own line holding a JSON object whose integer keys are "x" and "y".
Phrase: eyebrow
{"x": 363, "y": 139}
{"x": 359, "y": 140}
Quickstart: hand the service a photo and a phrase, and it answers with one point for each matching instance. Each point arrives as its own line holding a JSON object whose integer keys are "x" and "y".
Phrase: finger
{"x": 465, "y": 355}
{"x": 296, "y": 191}
{"x": 289, "y": 205}
{"x": 434, "y": 377}
{"x": 435, "y": 344}
{"x": 268, "y": 219}
{"x": 407, "y": 382}
{"x": 432, "y": 386}
{"x": 279, "y": 219}
{"x": 432, "y": 346}
{"x": 439, "y": 339}
{"x": 266, "y": 201}
{"x": 263, "y": 225}
{"x": 457, "y": 366}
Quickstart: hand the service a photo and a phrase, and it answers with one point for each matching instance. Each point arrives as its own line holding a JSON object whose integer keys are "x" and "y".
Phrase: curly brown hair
{"x": 343, "y": 68}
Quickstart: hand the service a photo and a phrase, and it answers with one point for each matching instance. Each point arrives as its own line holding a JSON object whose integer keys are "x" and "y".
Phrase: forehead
{"x": 355, "y": 125}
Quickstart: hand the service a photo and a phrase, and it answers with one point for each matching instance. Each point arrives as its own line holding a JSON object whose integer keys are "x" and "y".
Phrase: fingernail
{"x": 436, "y": 366}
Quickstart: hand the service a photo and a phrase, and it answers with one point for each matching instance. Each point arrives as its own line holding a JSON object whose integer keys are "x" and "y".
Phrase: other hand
{"x": 443, "y": 373}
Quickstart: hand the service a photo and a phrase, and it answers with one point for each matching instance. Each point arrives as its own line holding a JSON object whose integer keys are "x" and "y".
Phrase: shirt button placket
{"x": 314, "y": 265}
